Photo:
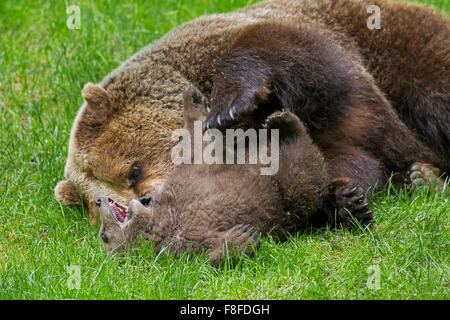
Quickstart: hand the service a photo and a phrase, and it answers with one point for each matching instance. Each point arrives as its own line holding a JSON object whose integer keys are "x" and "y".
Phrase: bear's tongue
{"x": 119, "y": 211}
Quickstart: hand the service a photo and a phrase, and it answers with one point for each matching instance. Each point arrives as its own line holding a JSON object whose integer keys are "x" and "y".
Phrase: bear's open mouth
{"x": 118, "y": 211}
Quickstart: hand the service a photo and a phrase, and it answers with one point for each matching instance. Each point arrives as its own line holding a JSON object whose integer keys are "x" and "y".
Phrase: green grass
{"x": 44, "y": 65}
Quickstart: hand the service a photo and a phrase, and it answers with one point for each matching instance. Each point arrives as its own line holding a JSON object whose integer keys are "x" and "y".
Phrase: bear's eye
{"x": 103, "y": 236}
{"x": 135, "y": 175}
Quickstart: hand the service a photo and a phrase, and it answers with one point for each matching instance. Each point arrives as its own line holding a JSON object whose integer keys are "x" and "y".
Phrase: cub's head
{"x": 121, "y": 225}
{"x": 120, "y": 142}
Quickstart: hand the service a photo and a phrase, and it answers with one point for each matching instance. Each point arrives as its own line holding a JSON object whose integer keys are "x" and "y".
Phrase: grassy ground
{"x": 44, "y": 65}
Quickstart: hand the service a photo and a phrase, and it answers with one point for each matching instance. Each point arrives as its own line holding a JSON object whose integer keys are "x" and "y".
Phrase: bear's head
{"x": 120, "y": 142}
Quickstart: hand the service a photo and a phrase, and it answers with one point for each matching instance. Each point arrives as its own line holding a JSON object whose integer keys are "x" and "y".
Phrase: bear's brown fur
{"x": 120, "y": 142}
{"x": 197, "y": 209}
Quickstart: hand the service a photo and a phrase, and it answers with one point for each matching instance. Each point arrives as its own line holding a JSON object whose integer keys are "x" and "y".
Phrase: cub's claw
{"x": 351, "y": 202}
{"x": 240, "y": 239}
{"x": 244, "y": 238}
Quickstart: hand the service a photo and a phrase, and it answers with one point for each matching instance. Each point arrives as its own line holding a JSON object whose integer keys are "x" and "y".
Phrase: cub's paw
{"x": 244, "y": 238}
{"x": 351, "y": 203}
{"x": 288, "y": 124}
{"x": 240, "y": 239}
{"x": 424, "y": 174}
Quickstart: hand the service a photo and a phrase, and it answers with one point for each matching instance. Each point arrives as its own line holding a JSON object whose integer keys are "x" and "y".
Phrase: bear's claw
{"x": 420, "y": 174}
{"x": 223, "y": 118}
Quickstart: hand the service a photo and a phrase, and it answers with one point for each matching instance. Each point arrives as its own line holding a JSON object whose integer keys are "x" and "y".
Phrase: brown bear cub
{"x": 221, "y": 206}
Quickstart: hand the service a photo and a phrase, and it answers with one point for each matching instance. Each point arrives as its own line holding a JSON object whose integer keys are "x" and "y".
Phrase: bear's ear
{"x": 66, "y": 193}
{"x": 96, "y": 113}
{"x": 96, "y": 96}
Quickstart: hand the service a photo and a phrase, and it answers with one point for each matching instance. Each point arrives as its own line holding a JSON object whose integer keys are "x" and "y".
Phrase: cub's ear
{"x": 66, "y": 193}
{"x": 195, "y": 106}
{"x": 96, "y": 96}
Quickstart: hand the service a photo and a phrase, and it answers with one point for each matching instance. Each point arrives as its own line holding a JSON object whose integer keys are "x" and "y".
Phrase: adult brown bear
{"x": 120, "y": 141}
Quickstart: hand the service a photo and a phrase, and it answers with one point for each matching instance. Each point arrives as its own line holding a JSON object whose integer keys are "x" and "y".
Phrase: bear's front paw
{"x": 235, "y": 97}
{"x": 351, "y": 203}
